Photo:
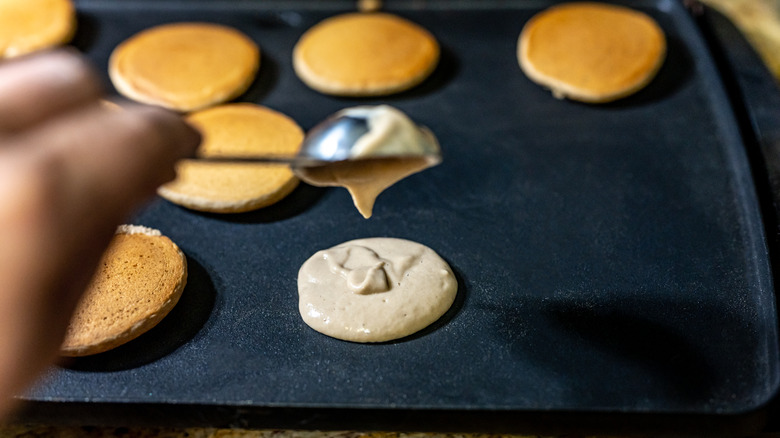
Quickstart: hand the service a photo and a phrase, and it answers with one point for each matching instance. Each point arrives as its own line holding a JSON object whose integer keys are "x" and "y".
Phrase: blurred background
{"x": 758, "y": 20}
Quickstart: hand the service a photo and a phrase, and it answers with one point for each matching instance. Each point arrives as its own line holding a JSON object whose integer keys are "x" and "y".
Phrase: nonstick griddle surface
{"x": 611, "y": 259}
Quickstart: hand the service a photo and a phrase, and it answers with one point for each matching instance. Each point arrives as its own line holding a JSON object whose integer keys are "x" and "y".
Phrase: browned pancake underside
{"x": 138, "y": 281}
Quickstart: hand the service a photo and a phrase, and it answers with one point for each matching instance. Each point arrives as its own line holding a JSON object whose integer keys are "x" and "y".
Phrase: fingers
{"x": 65, "y": 188}
{"x": 75, "y": 178}
{"x": 70, "y": 171}
{"x": 111, "y": 158}
{"x": 38, "y": 87}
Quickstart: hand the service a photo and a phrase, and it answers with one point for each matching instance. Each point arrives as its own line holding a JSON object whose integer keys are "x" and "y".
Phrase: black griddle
{"x": 613, "y": 261}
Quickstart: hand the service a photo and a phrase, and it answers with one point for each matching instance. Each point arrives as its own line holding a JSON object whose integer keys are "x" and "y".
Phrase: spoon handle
{"x": 304, "y": 161}
{"x": 289, "y": 160}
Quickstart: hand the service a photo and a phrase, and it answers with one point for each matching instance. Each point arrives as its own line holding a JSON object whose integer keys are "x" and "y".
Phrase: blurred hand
{"x": 71, "y": 170}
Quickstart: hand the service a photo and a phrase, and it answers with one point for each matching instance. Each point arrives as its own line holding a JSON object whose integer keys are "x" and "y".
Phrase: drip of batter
{"x": 390, "y": 133}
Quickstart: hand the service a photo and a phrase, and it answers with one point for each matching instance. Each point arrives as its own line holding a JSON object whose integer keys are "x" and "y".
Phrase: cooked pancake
{"x": 365, "y": 54}
{"x": 138, "y": 281}
{"x": 591, "y": 52}
{"x": 184, "y": 66}
{"x": 30, "y": 25}
{"x": 236, "y": 129}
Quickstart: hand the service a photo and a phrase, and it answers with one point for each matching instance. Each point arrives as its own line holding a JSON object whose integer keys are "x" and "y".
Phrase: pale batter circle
{"x": 365, "y": 54}
{"x": 30, "y": 25}
{"x": 374, "y": 289}
{"x": 591, "y": 52}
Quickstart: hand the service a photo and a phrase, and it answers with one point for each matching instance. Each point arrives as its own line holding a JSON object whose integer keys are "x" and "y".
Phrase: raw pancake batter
{"x": 390, "y": 132}
{"x": 374, "y": 290}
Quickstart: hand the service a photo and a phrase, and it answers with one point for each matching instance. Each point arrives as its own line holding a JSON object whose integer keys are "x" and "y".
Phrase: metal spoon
{"x": 333, "y": 141}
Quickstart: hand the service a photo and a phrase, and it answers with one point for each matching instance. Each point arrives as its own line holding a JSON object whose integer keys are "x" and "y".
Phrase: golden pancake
{"x": 365, "y": 54}
{"x": 138, "y": 281}
{"x": 236, "y": 129}
{"x": 184, "y": 66}
{"x": 591, "y": 52}
{"x": 30, "y": 25}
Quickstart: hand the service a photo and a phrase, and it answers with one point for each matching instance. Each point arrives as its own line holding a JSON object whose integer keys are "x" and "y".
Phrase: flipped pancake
{"x": 184, "y": 66}
{"x": 31, "y": 25}
{"x": 236, "y": 129}
{"x": 591, "y": 52}
{"x": 139, "y": 280}
{"x": 365, "y": 54}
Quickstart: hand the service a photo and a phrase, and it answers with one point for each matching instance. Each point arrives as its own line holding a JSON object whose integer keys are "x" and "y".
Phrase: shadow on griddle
{"x": 179, "y": 326}
{"x": 266, "y": 80}
{"x": 676, "y": 70}
{"x": 658, "y": 351}
{"x": 663, "y": 353}
{"x": 87, "y": 31}
{"x": 301, "y": 199}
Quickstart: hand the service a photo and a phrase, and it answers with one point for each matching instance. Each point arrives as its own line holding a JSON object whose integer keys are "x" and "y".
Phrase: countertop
{"x": 26, "y": 431}
{"x": 760, "y": 22}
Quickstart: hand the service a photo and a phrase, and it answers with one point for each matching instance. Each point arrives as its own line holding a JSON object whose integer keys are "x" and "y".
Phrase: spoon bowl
{"x": 353, "y": 134}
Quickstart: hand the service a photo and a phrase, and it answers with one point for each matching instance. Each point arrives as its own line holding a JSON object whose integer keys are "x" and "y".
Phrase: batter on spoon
{"x": 369, "y": 172}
